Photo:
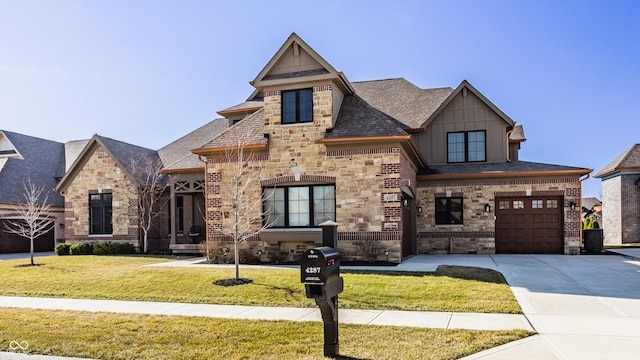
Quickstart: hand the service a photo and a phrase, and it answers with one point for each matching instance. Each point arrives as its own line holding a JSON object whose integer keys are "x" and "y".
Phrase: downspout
{"x": 508, "y": 135}
{"x": 588, "y": 175}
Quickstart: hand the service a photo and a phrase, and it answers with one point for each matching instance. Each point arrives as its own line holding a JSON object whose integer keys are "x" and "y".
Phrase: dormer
{"x": 300, "y": 88}
{"x": 238, "y": 112}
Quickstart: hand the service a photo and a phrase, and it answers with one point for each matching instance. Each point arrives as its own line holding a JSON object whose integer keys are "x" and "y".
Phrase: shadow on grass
{"x": 288, "y": 292}
{"x": 27, "y": 265}
{"x": 457, "y": 272}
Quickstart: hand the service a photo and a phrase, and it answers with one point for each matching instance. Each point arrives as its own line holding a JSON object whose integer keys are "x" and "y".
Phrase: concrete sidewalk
{"x": 423, "y": 319}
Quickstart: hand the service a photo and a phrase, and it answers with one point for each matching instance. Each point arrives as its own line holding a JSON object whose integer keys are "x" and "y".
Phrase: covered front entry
{"x": 529, "y": 225}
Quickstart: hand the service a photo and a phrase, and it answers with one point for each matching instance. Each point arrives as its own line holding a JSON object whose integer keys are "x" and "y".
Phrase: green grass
{"x": 455, "y": 289}
{"x": 120, "y": 336}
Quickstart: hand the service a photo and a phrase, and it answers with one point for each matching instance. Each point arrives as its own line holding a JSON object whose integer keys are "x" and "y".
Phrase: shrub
{"x": 122, "y": 248}
{"x": 369, "y": 250}
{"x": 81, "y": 248}
{"x": 63, "y": 249}
{"x": 101, "y": 248}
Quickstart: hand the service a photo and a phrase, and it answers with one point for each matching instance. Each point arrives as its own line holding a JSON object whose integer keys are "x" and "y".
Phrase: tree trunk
{"x": 31, "y": 250}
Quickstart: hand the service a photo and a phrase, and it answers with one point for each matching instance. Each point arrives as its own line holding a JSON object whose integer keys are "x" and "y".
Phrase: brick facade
{"x": 621, "y": 195}
{"x": 477, "y": 234}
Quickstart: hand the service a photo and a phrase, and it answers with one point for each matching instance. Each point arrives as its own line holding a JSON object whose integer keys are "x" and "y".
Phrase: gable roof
{"x": 177, "y": 156}
{"x": 466, "y": 85}
{"x": 628, "y": 160}
{"x": 38, "y": 159}
{"x": 249, "y": 132}
{"x": 125, "y": 155}
{"x": 295, "y": 61}
{"x": 408, "y": 103}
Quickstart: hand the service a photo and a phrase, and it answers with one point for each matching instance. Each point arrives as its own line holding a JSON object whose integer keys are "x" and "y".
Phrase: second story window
{"x": 466, "y": 146}
{"x": 297, "y": 106}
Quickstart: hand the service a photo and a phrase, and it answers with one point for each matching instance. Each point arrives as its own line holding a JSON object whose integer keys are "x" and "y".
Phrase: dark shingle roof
{"x": 129, "y": 156}
{"x": 502, "y": 167}
{"x": 628, "y": 160}
{"x": 178, "y": 155}
{"x": 359, "y": 119}
{"x": 402, "y": 100}
{"x": 248, "y": 131}
{"x": 43, "y": 163}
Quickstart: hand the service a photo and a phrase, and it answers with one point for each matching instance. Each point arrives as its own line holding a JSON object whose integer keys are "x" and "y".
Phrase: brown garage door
{"x": 529, "y": 225}
{"x": 11, "y": 243}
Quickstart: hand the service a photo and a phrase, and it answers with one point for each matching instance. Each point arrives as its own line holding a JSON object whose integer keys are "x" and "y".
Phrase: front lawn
{"x": 455, "y": 289}
{"x": 126, "y": 336}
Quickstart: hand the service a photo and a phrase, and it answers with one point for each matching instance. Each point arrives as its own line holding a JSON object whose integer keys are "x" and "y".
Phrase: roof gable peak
{"x": 296, "y": 61}
{"x": 463, "y": 88}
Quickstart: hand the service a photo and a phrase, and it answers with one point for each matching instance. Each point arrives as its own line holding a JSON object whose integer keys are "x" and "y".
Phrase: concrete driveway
{"x": 584, "y": 307}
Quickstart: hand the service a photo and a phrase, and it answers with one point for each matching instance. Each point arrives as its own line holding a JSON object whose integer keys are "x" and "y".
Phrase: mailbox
{"x": 320, "y": 272}
{"x": 320, "y": 266}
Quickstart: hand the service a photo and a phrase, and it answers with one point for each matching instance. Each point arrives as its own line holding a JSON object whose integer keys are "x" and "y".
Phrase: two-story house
{"x": 404, "y": 169}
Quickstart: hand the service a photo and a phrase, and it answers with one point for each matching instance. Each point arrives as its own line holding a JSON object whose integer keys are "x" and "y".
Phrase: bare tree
{"x": 245, "y": 216}
{"x": 33, "y": 217}
{"x": 150, "y": 186}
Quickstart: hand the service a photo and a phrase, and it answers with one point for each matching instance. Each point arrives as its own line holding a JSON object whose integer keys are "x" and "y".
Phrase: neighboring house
{"x": 621, "y": 198}
{"x": 24, "y": 158}
{"x": 592, "y": 206}
{"x": 100, "y": 195}
{"x": 402, "y": 170}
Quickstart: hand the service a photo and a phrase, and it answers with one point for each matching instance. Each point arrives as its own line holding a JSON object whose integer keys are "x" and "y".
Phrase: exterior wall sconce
{"x": 419, "y": 210}
{"x": 487, "y": 208}
{"x": 259, "y": 253}
{"x": 405, "y": 202}
{"x": 572, "y": 205}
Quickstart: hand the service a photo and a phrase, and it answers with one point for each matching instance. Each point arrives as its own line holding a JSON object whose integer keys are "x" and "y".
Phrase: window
{"x": 299, "y": 206}
{"x": 100, "y": 214}
{"x": 297, "y": 106}
{"x": 449, "y": 211}
{"x": 180, "y": 214}
{"x": 466, "y": 146}
{"x": 536, "y": 204}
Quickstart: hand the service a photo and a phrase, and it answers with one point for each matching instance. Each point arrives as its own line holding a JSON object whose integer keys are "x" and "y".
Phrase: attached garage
{"x": 529, "y": 225}
{"x": 11, "y": 243}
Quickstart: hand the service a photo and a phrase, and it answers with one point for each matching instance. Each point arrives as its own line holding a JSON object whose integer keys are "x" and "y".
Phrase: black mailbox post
{"x": 320, "y": 274}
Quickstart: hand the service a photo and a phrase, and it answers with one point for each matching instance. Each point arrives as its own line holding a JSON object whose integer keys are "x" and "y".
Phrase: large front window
{"x": 100, "y": 214}
{"x": 297, "y": 106}
{"x": 299, "y": 206}
{"x": 469, "y": 146}
{"x": 449, "y": 211}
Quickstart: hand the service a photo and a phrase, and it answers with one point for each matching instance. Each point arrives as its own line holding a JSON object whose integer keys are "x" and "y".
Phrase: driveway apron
{"x": 585, "y": 307}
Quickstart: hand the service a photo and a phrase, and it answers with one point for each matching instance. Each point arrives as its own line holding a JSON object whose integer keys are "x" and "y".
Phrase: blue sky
{"x": 148, "y": 72}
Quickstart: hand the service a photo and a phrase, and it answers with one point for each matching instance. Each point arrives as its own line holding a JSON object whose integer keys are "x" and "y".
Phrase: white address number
{"x": 312, "y": 270}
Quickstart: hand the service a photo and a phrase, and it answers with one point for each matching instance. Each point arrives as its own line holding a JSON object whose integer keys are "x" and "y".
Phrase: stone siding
{"x": 100, "y": 174}
{"x": 367, "y": 180}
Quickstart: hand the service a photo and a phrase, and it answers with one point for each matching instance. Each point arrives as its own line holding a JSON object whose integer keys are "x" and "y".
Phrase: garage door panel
{"x": 529, "y": 225}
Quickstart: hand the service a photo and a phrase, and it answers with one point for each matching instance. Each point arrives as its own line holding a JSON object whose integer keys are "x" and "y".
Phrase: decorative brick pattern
{"x": 477, "y": 235}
